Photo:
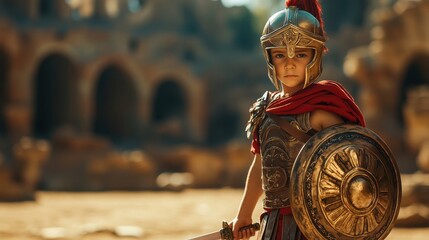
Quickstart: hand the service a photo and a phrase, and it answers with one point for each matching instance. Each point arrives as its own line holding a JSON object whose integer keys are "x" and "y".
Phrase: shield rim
{"x": 302, "y": 162}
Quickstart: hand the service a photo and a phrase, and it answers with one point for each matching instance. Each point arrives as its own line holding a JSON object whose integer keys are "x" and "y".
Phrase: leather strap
{"x": 264, "y": 219}
{"x": 286, "y": 227}
{"x": 286, "y": 126}
{"x": 293, "y": 228}
{"x": 272, "y": 224}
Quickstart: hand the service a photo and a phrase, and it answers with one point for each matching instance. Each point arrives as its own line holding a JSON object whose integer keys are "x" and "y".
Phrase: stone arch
{"x": 169, "y": 100}
{"x": 194, "y": 93}
{"x": 91, "y": 75}
{"x": 416, "y": 74}
{"x": 4, "y": 67}
{"x": 116, "y": 105}
{"x": 55, "y": 95}
{"x": 170, "y": 108}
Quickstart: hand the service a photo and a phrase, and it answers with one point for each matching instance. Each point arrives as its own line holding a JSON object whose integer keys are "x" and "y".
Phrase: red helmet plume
{"x": 311, "y": 6}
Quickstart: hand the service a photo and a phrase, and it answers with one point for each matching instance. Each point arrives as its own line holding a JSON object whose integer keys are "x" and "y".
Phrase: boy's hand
{"x": 236, "y": 224}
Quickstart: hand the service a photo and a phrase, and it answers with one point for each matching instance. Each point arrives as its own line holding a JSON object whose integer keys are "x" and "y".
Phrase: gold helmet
{"x": 293, "y": 28}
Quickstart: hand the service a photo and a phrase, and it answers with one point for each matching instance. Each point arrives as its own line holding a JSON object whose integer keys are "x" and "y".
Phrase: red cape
{"x": 324, "y": 95}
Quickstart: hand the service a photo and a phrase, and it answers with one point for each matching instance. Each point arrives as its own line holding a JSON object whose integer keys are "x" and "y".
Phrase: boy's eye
{"x": 278, "y": 55}
{"x": 301, "y": 55}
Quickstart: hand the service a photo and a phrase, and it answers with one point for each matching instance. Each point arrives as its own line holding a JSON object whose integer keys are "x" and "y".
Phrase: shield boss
{"x": 345, "y": 184}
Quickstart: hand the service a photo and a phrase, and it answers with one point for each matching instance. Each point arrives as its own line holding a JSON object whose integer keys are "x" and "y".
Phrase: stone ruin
{"x": 91, "y": 77}
{"x": 393, "y": 72}
{"x": 19, "y": 182}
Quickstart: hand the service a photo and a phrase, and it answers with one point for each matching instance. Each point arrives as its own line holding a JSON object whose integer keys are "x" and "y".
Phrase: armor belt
{"x": 279, "y": 224}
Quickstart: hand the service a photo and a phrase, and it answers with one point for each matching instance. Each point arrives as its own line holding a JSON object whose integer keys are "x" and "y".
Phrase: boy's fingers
{"x": 252, "y": 232}
{"x": 246, "y": 233}
{"x": 235, "y": 233}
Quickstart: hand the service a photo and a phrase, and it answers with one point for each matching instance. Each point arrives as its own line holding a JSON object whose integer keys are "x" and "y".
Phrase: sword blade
{"x": 225, "y": 233}
{"x": 209, "y": 236}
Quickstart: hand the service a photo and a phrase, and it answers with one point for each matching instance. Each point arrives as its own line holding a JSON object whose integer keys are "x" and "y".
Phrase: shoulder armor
{"x": 257, "y": 113}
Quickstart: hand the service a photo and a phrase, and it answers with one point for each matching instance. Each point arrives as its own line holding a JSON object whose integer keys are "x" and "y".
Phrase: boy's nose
{"x": 289, "y": 64}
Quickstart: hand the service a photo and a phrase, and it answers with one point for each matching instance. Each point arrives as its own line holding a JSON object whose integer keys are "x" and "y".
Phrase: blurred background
{"x": 153, "y": 95}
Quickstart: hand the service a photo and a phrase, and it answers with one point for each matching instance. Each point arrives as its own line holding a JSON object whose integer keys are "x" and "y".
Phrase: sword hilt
{"x": 226, "y": 231}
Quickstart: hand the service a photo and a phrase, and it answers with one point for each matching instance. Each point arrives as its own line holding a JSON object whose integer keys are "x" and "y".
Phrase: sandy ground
{"x": 130, "y": 215}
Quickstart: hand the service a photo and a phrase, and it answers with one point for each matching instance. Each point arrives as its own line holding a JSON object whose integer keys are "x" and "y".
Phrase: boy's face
{"x": 291, "y": 71}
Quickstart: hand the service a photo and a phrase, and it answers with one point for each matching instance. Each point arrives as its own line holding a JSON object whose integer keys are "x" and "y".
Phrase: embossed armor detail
{"x": 257, "y": 114}
{"x": 278, "y": 151}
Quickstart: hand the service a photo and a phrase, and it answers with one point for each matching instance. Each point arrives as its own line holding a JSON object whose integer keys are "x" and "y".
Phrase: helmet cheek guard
{"x": 292, "y": 28}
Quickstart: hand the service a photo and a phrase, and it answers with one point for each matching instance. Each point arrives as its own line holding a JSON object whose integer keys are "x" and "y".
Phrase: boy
{"x": 293, "y": 41}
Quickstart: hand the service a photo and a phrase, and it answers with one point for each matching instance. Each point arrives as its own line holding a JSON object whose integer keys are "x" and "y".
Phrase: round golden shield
{"x": 345, "y": 184}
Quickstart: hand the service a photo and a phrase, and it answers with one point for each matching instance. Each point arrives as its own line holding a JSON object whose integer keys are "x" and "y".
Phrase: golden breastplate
{"x": 278, "y": 151}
